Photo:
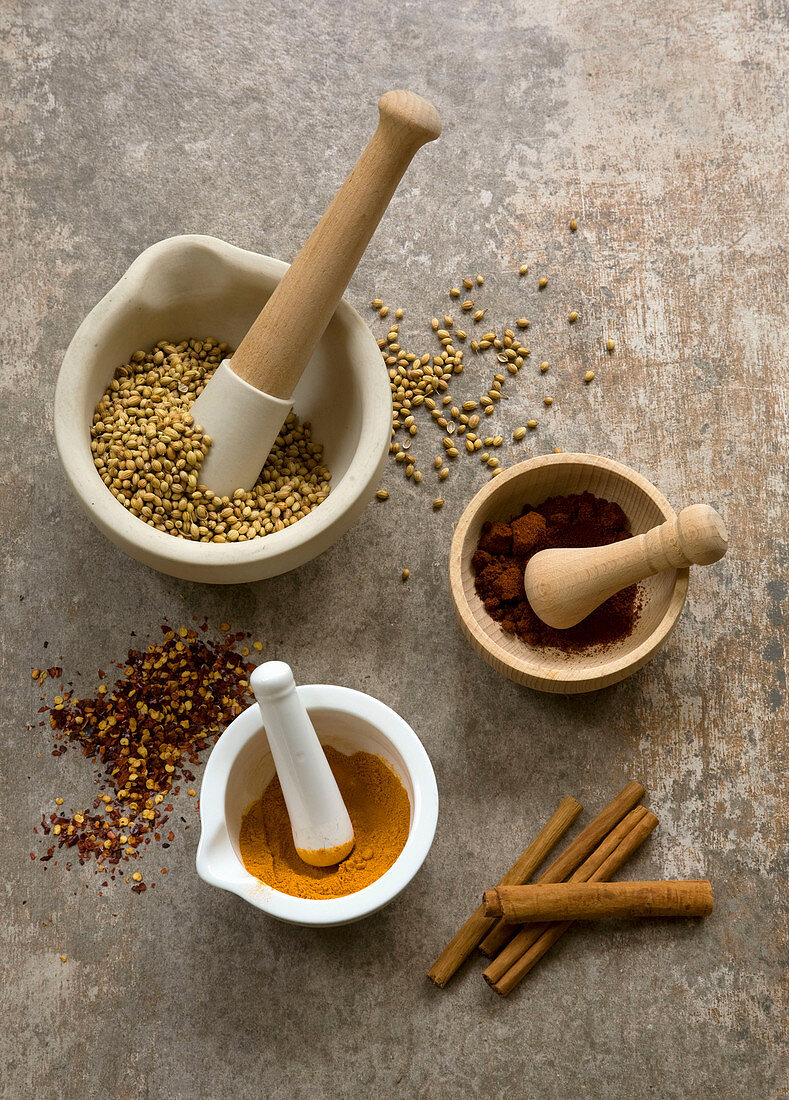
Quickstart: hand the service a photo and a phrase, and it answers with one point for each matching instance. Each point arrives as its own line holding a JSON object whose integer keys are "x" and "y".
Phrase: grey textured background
{"x": 662, "y": 128}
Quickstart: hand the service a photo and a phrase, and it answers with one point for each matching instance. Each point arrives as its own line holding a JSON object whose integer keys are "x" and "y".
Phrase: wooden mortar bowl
{"x": 532, "y": 482}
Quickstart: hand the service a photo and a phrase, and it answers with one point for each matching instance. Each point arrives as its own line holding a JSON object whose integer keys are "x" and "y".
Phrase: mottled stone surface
{"x": 662, "y": 128}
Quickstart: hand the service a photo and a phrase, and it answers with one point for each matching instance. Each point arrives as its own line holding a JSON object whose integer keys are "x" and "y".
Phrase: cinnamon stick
{"x": 532, "y": 955}
{"x": 529, "y": 934}
{"x": 575, "y": 853}
{"x": 467, "y": 938}
{"x": 596, "y": 900}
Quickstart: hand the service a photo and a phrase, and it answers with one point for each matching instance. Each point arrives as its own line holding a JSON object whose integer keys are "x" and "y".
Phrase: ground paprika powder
{"x": 504, "y": 549}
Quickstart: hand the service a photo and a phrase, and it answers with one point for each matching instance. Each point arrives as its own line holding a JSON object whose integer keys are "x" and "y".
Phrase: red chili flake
{"x": 170, "y": 704}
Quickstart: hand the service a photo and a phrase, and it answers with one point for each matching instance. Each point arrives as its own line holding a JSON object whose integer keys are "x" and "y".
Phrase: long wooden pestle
{"x": 563, "y": 586}
{"x": 244, "y": 404}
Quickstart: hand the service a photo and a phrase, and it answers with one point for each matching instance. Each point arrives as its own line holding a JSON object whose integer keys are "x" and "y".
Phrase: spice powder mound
{"x": 504, "y": 549}
{"x": 144, "y": 733}
{"x": 380, "y": 813}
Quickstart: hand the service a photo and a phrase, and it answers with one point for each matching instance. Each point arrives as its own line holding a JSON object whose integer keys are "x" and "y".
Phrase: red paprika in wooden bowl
{"x": 488, "y": 549}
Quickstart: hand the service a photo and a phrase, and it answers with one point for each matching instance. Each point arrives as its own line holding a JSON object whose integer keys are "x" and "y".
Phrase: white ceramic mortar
{"x": 197, "y": 286}
{"x": 241, "y": 766}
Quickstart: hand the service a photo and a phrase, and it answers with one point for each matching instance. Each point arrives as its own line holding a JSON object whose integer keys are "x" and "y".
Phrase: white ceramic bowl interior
{"x": 241, "y": 766}
{"x": 197, "y": 286}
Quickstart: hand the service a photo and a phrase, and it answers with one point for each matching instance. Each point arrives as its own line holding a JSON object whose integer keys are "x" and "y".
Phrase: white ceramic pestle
{"x": 244, "y": 404}
{"x": 322, "y": 829}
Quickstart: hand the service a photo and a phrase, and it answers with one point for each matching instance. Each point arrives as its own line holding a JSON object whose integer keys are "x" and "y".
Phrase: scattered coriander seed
{"x": 542, "y": 282}
{"x": 454, "y": 292}
{"x": 589, "y": 376}
{"x": 435, "y": 325}
{"x": 498, "y": 440}
{"x": 452, "y": 452}
{"x": 493, "y": 462}
{"x": 609, "y": 344}
{"x": 467, "y": 305}
{"x": 383, "y": 311}
{"x": 460, "y": 334}
{"x": 399, "y": 314}
{"x": 443, "y": 474}
{"x": 438, "y": 503}
{"x": 573, "y": 317}
{"x": 523, "y": 269}
{"x": 573, "y": 225}
{"x": 480, "y": 280}
{"x": 382, "y": 494}
{"x": 469, "y": 406}
{"x": 498, "y": 470}
{"x": 438, "y": 462}
{"x": 417, "y": 476}
{"x": 448, "y": 322}
{"x": 531, "y": 424}
{"x": 547, "y": 400}
{"x": 376, "y": 303}
{"x": 557, "y": 450}
{"x": 405, "y": 574}
{"x": 468, "y": 284}
{"x": 523, "y": 322}
{"x": 479, "y": 314}
{"x": 544, "y": 366}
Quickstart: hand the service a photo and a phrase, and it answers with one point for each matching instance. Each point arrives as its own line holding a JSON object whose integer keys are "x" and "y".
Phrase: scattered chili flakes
{"x": 143, "y": 733}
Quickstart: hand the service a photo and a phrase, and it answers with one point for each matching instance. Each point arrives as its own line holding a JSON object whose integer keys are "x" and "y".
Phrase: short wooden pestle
{"x": 563, "y": 586}
{"x": 559, "y": 901}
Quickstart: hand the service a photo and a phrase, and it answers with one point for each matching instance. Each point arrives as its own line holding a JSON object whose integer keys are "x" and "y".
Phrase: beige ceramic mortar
{"x": 197, "y": 286}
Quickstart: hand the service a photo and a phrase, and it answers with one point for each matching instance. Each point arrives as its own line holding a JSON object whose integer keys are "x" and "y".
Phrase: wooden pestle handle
{"x": 278, "y": 346}
{"x": 563, "y": 586}
{"x": 596, "y": 900}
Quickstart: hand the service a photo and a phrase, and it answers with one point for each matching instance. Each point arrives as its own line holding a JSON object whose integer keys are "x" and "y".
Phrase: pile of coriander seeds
{"x": 148, "y": 452}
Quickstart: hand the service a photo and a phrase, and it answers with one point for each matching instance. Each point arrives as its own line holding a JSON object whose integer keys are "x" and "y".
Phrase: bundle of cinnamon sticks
{"x": 517, "y": 923}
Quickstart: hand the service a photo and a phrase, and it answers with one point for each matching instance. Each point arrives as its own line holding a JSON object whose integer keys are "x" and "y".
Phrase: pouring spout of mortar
{"x": 322, "y": 830}
{"x": 272, "y": 356}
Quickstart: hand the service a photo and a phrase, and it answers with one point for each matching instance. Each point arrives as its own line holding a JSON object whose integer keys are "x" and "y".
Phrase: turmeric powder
{"x": 380, "y": 813}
